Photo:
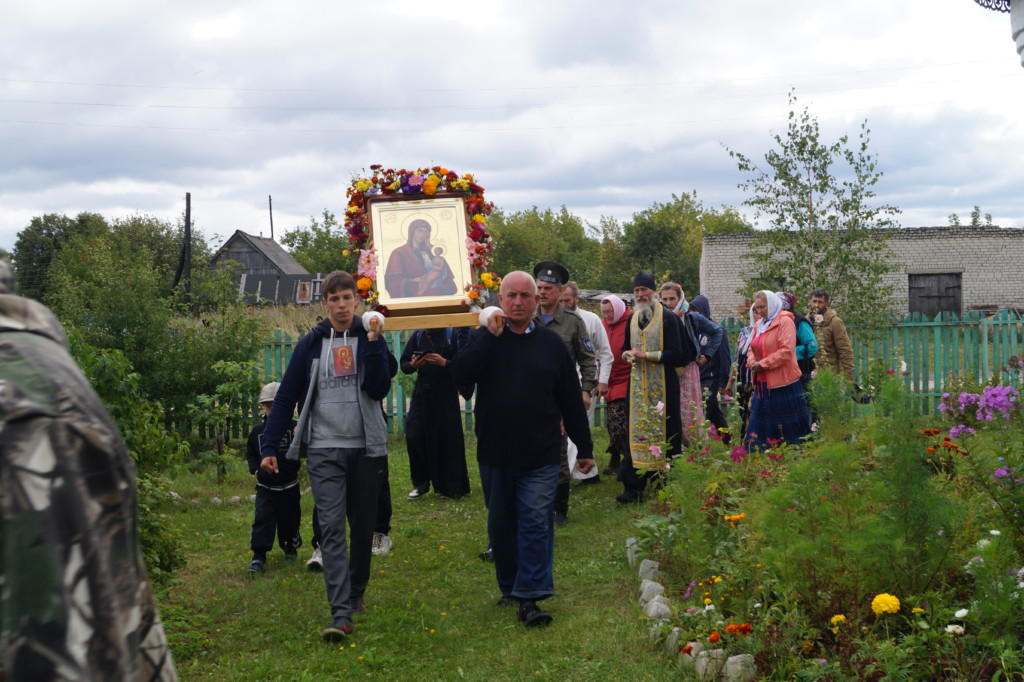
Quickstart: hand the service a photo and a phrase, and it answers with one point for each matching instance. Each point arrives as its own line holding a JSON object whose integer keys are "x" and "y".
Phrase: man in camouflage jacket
{"x": 75, "y": 600}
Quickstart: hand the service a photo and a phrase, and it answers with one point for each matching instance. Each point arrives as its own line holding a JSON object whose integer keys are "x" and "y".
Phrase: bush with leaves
{"x": 151, "y": 446}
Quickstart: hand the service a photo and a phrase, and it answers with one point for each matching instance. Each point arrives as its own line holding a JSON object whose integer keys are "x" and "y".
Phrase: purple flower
{"x": 1001, "y": 472}
{"x": 960, "y": 430}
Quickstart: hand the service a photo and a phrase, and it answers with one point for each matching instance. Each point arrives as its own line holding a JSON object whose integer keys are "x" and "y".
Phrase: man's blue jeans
{"x": 520, "y": 523}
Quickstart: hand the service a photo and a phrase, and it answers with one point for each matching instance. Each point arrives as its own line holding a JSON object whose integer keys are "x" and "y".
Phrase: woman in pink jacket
{"x": 778, "y": 410}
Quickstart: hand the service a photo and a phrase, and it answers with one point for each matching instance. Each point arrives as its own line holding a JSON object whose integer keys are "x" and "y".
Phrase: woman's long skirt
{"x": 777, "y": 414}
{"x": 691, "y": 404}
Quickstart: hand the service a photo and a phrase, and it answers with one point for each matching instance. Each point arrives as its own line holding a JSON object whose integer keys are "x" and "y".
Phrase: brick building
{"x": 938, "y": 268}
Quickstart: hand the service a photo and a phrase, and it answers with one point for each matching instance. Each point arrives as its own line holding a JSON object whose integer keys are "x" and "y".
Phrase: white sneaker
{"x": 382, "y": 544}
{"x": 416, "y": 494}
{"x": 316, "y": 562}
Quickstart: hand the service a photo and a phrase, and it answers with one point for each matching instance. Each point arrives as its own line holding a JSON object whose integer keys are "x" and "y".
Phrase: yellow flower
{"x": 363, "y": 185}
{"x": 885, "y": 603}
{"x": 479, "y": 218}
{"x": 395, "y": 185}
{"x": 707, "y": 601}
{"x": 344, "y": 252}
{"x": 917, "y": 609}
{"x": 837, "y": 619}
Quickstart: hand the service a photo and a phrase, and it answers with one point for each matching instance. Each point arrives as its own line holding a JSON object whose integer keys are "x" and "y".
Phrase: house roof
{"x": 273, "y": 251}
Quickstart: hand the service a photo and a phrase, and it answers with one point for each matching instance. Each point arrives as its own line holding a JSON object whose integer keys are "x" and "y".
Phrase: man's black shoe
{"x": 487, "y": 555}
{"x": 628, "y": 497}
{"x": 561, "y": 519}
{"x": 531, "y": 615}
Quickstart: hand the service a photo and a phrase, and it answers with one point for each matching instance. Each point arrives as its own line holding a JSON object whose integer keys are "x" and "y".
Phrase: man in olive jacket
{"x": 831, "y": 334}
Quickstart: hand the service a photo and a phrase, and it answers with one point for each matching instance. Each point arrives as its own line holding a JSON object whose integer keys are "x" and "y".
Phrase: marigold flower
{"x": 837, "y": 619}
{"x": 885, "y": 603}
{"x": 687, "y": 649}
{"x": 364, "y": 283}
{"x": 474, "y": 294}
{"x": 714, "y": 637}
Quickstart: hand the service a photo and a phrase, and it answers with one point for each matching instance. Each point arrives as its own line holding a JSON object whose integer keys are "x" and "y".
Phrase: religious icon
{"x": 344, "y": 362}
{"x": 421, "y": 244}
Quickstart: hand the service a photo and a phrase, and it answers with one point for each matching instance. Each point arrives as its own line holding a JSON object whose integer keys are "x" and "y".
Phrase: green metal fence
{"x": 926, "y": 353}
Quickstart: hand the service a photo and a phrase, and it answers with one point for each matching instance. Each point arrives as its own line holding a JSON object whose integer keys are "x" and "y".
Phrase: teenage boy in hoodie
{"x": 338, "y": 374}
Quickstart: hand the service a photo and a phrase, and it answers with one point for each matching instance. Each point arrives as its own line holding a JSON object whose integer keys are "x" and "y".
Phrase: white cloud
{"x": 605, "y": 109}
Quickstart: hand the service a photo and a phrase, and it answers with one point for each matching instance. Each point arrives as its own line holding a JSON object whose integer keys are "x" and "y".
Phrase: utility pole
{"x": 188, "y": 247}
{"x": 270, "y": 205}
{"x": 184, "y": 271}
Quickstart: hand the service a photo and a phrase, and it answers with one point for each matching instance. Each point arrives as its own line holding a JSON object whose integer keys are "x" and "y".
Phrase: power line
{"x": 484, "y": 107}
{"x": 510, "y": 88}
{"x": 494, "y": 129}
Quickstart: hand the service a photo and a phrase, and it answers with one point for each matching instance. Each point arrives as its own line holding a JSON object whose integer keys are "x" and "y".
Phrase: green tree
{"x": 526, "y": 237}
{"x": 40, "y": 242}
{"x": 114, "y": 287}
{"x": 976, "y": 218}
{"x": 614, "y": 267}
{"x": 321, "y": 245}
{"x": 667, "y": 238}
{"x": 825, "y": 230}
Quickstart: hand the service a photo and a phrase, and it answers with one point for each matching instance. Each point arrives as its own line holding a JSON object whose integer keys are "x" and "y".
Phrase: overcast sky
{"x": 122, "y": 107}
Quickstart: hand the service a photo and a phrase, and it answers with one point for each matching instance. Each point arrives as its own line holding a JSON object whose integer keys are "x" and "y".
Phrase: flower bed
{"x": 883, "y": 547}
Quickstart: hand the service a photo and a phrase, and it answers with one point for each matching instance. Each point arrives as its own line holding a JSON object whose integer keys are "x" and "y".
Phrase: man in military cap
{"x": 551, "y": 277}
{"x": 76, "y": 600}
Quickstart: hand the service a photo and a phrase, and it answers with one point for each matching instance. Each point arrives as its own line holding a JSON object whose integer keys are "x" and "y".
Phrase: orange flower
{"x": 687, "y": 649}
{"x": 364, "y": 283}
{"x": 931, "y": 451}
{"x": 474, "y": 294}
{"x": 714, "y": 637}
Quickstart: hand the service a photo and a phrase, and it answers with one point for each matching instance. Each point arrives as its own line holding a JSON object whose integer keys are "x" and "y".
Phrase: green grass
{"x": 430, "y": 603}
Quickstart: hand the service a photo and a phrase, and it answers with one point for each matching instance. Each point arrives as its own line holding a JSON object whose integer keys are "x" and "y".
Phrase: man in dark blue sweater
{"x": 527, "y": 388}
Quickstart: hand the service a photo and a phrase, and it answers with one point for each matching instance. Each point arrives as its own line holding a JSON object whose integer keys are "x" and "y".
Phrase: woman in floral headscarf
{"x": 778, "y": 410}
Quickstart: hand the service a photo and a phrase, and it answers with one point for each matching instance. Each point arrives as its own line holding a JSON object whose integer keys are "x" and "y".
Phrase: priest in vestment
{"x": 653, "y": 347}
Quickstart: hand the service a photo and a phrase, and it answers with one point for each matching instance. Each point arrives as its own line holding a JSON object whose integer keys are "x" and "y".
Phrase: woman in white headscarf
{"x": 778, "y": 411}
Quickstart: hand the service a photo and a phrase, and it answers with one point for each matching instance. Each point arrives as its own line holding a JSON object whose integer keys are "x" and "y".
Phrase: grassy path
{"x": 430, "y": 603}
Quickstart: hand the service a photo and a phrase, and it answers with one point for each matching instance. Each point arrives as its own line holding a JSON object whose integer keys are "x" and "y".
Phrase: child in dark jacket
{"x": 277, "y": 495}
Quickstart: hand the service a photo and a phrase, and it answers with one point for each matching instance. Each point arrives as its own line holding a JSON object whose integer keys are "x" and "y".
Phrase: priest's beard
{"x": 646, "y": 310}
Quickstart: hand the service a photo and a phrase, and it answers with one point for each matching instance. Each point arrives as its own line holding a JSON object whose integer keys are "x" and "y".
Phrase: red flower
{"x": 714, "y": 637}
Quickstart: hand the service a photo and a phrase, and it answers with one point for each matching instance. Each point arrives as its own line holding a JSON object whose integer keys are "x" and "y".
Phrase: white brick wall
{"x": 990, "y": 260}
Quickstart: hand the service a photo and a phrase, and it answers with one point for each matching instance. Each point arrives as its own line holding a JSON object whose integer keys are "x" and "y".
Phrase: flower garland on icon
{"x": 426, "y": 182}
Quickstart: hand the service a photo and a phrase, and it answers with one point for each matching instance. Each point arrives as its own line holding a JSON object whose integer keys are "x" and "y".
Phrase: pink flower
{"x": 660, "y": 407}
{"x": 766, "y": 474}
{"x": 656, "y": 451}
{"x": 738, "y": 453}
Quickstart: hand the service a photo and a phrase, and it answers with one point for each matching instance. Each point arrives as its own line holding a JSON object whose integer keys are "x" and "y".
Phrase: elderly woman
{"x": 614, "y": 317}
{"x": 778, "y": 410}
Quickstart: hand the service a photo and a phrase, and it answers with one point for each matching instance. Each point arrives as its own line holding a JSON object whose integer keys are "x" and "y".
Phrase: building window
{"x": 933, "y": 293}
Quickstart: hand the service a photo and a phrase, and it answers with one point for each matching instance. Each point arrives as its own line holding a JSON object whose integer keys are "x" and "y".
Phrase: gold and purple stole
{"x": 646, "y": 390}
